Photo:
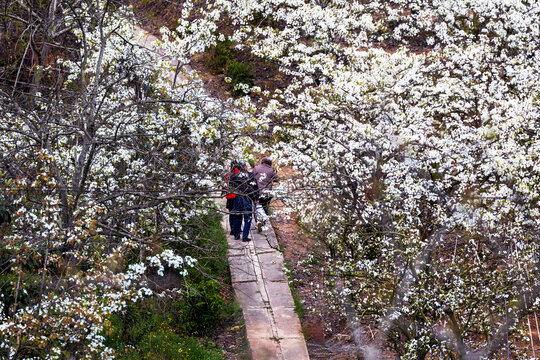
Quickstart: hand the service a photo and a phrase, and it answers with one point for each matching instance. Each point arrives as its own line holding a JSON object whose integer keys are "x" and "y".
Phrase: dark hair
{"x": 267, "y": 161}
{"x": 237, "y": 165}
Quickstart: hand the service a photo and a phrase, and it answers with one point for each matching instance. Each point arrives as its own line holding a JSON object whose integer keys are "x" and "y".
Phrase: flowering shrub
{"x": 241, "y": 77}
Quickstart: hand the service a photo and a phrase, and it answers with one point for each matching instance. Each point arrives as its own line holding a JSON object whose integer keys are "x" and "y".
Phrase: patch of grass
{"x": 145, "y": 332}
{"x": 165, "y": 329}
{"x": 202, "y": 308}
{"x": 240, "y": 73}
{"x": 208, "y": 246}
{"x": 153, "y": 329}
{"x": 298, "y": 306}
{"x": 220, "y": 56}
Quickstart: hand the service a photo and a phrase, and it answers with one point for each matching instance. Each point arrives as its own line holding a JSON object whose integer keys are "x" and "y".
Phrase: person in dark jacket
{"x": 244, "y": 186}
{"x": 265, "y": 176}
{"x": 235, "y": 169}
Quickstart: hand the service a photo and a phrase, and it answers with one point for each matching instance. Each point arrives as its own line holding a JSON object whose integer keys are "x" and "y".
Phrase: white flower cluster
{"x": 171, "y": 260}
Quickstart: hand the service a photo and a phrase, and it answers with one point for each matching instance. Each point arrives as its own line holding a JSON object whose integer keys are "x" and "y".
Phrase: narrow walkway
{"x": 258, "y": 278}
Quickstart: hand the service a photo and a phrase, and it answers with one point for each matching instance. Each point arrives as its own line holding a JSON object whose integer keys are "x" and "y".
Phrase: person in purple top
{"x": 265, "y": 176}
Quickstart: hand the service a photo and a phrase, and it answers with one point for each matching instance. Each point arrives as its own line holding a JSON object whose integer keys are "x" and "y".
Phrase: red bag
{"x": 230, "y": 196}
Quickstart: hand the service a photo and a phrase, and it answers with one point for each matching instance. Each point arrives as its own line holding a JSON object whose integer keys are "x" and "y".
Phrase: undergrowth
{"x": 177, "y": 329}
{"x": 298, "y": 306}
{"x": 222, "y": 59}
{"x": 144, "y": 331}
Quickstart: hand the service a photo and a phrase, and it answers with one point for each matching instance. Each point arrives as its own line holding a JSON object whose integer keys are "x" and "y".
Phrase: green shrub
{"x": 164, "y": 328}
{"x": 208, "y": 245}
{"x": 240, "y": 73}
{"x": 144, "y": 331}
{"x": 164, "y": 344}
{"x": 219, "y": 57}
{"x": 202, "y": 308}
{"x": 131, "y": 326}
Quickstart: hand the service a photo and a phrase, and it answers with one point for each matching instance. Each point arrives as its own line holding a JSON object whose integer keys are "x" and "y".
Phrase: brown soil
{"x": 155, "y": 14}
{"x": 231, "y": 337}
{"x": 267, "y": 75}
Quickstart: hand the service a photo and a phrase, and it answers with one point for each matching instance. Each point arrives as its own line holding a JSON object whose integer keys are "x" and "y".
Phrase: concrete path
{"x": 258, "y": 278}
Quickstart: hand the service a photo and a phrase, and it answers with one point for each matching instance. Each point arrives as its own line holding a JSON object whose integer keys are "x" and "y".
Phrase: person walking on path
{"x": 244, "y": 186}
{"x": 265, "y": 176}
{"x": 235, "y": 169}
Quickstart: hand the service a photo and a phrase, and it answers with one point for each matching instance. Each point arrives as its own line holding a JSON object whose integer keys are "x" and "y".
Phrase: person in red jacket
{"x": 244, "y": 186}
{"x": 235, "y": 168}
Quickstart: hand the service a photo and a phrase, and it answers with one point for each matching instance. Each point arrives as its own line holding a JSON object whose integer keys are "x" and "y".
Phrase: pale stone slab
{"x": 265, "y": 239}
{"x": 241, "y": 269}
{"x": 236, "y": 248}
{"x": 293, "y": 349}
{"x": 236, "y": 251}
{"x": 258, "y": 323}
{"x": 225, "y": 225}
{"x": 261, "y": 242}
{"x": 265, "y": 349}
{"x": 272, "y": 239}
{"x": 279, "y": 294}
{"x": 287, "y": 323}
{"x": 273, "y": 329}
{"x": 249, "y": 295}
{"x": 272, "y": 266}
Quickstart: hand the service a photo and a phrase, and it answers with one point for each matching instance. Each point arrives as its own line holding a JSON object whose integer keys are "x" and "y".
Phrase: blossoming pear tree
{"x": 106, "y": 166}
{"x": 419, "y": 122}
